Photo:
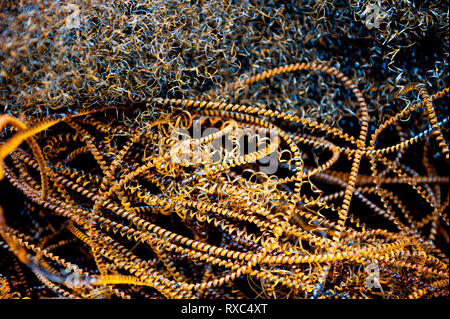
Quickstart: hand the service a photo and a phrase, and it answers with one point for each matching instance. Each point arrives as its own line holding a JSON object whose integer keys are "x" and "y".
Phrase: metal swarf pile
{"x": 220, "y": 149}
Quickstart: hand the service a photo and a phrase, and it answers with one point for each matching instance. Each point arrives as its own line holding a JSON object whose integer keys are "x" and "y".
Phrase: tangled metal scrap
{"x": 357, "y": 207}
